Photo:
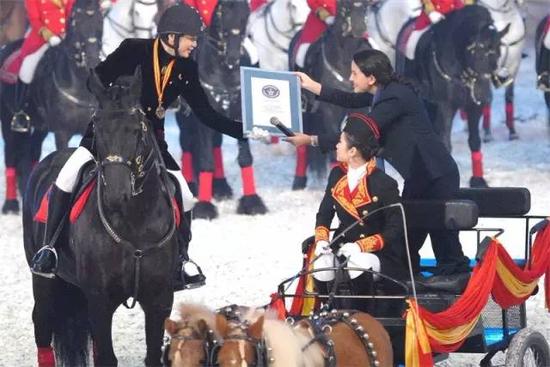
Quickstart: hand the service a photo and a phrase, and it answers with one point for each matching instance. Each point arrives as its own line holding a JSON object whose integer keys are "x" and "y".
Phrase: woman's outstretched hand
{"x": 298, "y": 139}
{"x": 309, "y": 84}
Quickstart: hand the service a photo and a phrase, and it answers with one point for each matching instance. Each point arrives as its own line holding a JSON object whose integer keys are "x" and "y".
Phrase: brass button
{"x": 361, "y": 235}
{"x": 365, "y": 212}
{"x": 361, "y": 224}
{"x": 62, "y": 20}
{"x": 47, "y": 21}
{"x": 375, "y": 199}
{"x": 148, "y": 108}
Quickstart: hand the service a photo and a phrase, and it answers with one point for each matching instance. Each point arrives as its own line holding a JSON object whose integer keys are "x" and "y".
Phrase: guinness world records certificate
{"x": 267, "y": 94}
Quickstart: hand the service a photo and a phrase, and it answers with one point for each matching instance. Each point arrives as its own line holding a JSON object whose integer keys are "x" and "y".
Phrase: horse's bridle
{"x": 288, "y": 34}
{"x": 208, "y": 345}
{"x": 125, "y": 32}
{"x": 345, "y": 13}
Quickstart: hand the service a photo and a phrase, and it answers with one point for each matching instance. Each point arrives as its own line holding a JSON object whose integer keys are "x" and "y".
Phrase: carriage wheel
{"x": 528, "y": 348}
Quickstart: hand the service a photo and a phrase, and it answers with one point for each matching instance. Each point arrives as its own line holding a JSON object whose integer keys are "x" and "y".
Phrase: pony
{"x": 540, "y": 64}
{"x": 219, "y": 56}
{"x": 128, "y": 19}
{"x": 121, "y": 244}
{"x": 13, "y": 21}
{"x": 328, "y": 61}
{"x": 453, "y": 66}
{"x": 58, "y": 98}
{"x": 271, "y": 28}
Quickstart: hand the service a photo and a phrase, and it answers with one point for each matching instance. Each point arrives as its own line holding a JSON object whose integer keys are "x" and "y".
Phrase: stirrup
{"x": 543, "y": 85}
{"x": 21, "y": 122}
{"x": 49, "y": 275}
{"x": 192, "y": 281}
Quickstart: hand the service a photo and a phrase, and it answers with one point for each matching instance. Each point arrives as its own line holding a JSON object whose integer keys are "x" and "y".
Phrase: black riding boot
{"x": 44, "y": 262}
{"x": 543, "y": 70}
{"x": 188, "y": 274}
{"x": 21, "y": 122}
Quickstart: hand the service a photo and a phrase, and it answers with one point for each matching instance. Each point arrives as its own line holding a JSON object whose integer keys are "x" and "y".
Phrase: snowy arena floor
{"x": 245, "y": 258}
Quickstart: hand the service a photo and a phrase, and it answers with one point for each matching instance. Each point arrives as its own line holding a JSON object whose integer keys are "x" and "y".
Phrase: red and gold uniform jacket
{"x": 50, "y": 14}
{"x": 442, "y": 6}
{"x": 381, "y": 233}
{"x": 314, "y": 25}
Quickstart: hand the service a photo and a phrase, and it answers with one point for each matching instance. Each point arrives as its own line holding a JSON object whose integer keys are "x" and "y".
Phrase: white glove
{"x": 105, "y": 5}
{"x": 54, "y": 41}
{"x": 329, "y": 20}
{"x": 260, "y": 134}
{"x": 322, "y": 248}
{"x": 435, "y": 16}
{"x": 349, "y": 249}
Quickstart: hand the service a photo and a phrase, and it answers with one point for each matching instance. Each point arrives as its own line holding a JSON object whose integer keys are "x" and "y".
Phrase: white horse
{"x": 385, "y": 20}
{"x": 128, "y": 19}
{"x": 271, "y": 28}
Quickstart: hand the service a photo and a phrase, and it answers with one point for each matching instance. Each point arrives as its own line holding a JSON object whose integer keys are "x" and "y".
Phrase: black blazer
{"x": 384, "y": 228}
{"x": 409, "y": 142}
{"x": 184, "y": 81}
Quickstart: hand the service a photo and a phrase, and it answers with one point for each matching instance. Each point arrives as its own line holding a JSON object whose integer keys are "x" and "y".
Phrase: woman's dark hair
{"x": 367, "y": 149}
{"x": 376, "y": 63}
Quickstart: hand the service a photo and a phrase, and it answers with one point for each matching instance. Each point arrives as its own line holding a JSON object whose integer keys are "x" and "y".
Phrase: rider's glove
{"x": 322, "y": 248}
{"x": 54, "y": 41}
{"x": 435, "y": 16}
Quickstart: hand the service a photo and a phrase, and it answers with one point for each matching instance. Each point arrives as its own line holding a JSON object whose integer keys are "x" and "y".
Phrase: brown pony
{"x": 13, "y": 21}
{"x": 353, "y": 339}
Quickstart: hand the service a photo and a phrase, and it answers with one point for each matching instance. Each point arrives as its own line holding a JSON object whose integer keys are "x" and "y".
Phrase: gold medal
{"x": 160, "y": 112}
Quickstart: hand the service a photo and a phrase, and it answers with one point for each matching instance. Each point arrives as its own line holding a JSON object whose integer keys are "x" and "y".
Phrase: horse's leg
{"x": 487, "y": 134}
{"x": 203, "y": 153}
{"x": 547, "y": 99}
{"x": 222, "y": 190}
{"x": 250, "y": 203}
{"x": 101, "y": 320}
{"x": 13, "y": 149}
{"x": 474, "y": 142}
{"x": 43, "y": 314}
{"x": 509, "y": 98}
{"x": 156, "y": 311}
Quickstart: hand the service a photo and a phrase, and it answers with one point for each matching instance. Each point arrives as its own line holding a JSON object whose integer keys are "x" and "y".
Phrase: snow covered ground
{"x": 245, "y": 258}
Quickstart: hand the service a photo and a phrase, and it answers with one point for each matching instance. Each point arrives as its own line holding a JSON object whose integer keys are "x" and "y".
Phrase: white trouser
{"x": 29, "y": 64}
{"x": 251, "y": 50}
{"x": 546, "y": 40}
{"x": 410, "y": 47}
{"x": 301, "y": 54}
{"x": 364, "y": 260}
{"x": 66, "y": 179}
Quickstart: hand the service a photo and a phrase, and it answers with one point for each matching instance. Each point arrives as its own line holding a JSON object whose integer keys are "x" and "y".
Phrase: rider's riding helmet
{"x": 363, "y": 133}
{"x": 180, "y": 19}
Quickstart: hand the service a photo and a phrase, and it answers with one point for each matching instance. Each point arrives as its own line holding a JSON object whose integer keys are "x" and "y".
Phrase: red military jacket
{"x": 205, "y": 8}
{"x": 51, "y": 14}
{"x": 444, "y": 6}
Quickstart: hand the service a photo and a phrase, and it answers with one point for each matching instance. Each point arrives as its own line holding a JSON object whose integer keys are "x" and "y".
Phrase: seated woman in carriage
{"x": 355, "y": 188}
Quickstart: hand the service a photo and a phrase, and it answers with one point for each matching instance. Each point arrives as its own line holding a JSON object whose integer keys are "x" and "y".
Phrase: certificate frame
{"x": 259, "y": 92}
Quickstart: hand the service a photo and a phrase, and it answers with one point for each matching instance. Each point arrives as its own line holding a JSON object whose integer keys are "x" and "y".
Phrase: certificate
{"x": 268, "y": 96}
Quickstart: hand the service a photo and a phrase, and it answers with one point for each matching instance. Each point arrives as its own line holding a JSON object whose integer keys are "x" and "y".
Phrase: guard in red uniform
{"x": 48, "y": 25}
{"x": 321, "y": 15}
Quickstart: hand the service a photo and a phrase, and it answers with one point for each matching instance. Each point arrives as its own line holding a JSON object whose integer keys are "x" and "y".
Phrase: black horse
{"x": 122, "y": 245}
{"x": 453, "y": 65}
{"x": 59, "y": 100}
{"x": 329, "y": 61}
{"x": 543, "y": 59}
{"x": 219, "y": 56}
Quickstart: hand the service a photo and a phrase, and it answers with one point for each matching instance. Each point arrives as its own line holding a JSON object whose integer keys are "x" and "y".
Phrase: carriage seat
{"x": 498, "y": 202}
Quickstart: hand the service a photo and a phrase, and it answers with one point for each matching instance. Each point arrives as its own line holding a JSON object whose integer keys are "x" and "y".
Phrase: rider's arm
{"x": 122, "y": 61}
{"x": 198, "y": 101}
{"x": 326, "y": 211}
{"x": 33, "y": 14}
{"x": 387, "y": 110}
{"x": 345, "y": 99}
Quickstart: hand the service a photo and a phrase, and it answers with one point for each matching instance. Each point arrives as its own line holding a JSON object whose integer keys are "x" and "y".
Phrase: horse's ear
{"x": 170, "y": 326}
{"x": 256, "y": 329}
{"x": 502, "y": 33}
{"x": 222, "y": 325}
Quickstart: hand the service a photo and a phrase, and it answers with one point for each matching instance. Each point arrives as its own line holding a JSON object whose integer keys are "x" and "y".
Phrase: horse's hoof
{"x": 513, "y": 135}
{"x": 221, "y": 189}
{"x": 251, "y": 205}
{"x": 487, "y": 136}
{"x": 10, "y": 207}
{"x": 299, "y": 183}
{"x": 205, "y": 210}
{"x": 478, "y": 182}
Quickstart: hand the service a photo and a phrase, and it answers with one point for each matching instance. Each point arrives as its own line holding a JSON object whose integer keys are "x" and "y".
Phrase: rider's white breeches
{"x": 410, "y": 47}
{"x": 29, "y": 64}
{"x": 546, "y": 40}
{"x": 251, "y": 50}
{"x": 363, "y": 260}
{"x": 67, "y": 177}
{"x": 301, "y": 54}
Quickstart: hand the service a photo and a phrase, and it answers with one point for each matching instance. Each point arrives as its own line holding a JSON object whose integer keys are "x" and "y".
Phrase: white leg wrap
{"x": 301, "y": 54}
{"x": 324, "y": 261}
{"x": 186, "y": 196}
{"x": 365, "y": 260}
{"x": 66, "y": 179}
{"x": 546, "y": 40}
{"x": 28, "y": 67}
{"x": 251, "y": 50}
{"x": 412, "y": 42}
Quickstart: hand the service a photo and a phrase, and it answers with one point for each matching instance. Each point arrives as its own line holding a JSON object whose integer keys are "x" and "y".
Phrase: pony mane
{"x": 192, "y": 313}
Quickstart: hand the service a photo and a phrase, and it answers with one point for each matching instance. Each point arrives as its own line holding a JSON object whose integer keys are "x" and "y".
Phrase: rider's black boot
{"x": 20, "y": 121}
{"x": 543, "y": 70}
{"x": 44, "y": 262}
{"x": 188, "y": 274}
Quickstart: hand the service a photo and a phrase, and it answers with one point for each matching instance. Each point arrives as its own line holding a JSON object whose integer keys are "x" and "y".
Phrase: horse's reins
{"x": 137, "y": 253}
{"x": 268, "y": 15}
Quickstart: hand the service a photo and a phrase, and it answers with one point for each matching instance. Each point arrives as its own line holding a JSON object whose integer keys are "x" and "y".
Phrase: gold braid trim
{"x": 321, "y": 234}
{"x": 428, "y": 6}
{"x": 371, "y": 243}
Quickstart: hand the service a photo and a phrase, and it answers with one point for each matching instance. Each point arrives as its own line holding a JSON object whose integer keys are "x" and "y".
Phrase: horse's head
{"x": 84, "y": 33}
{"x": 189, "y": 343}
{"x": 351, "y": 18}
{"x": 142, "y": 15}
{"x": 297, "y": 11}
{"x": 483, "y": 49}
{"x": 228, "y": 29}
{"x": 123, "y": 141}
{"x": 243, "y": 344}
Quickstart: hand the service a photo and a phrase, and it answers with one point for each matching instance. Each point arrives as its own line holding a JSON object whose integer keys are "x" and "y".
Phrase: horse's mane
{"x": 192, "y": 313}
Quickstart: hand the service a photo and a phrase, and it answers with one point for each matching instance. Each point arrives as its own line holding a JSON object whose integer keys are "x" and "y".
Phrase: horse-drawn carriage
{"x": 442, "y": 316}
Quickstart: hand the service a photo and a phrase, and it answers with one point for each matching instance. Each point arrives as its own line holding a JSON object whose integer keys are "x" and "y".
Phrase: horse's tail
{"x": 71, "y": 328}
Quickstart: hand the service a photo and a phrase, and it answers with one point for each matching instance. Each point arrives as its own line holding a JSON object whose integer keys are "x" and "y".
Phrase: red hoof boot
{"x": 46, "y": 357}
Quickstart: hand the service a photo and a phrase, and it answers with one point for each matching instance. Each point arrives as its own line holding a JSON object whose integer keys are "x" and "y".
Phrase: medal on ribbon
{"x": 161, "y": 79}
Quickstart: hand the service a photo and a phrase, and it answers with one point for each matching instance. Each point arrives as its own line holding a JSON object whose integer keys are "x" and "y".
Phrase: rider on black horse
{"x": 167, "y": 72}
